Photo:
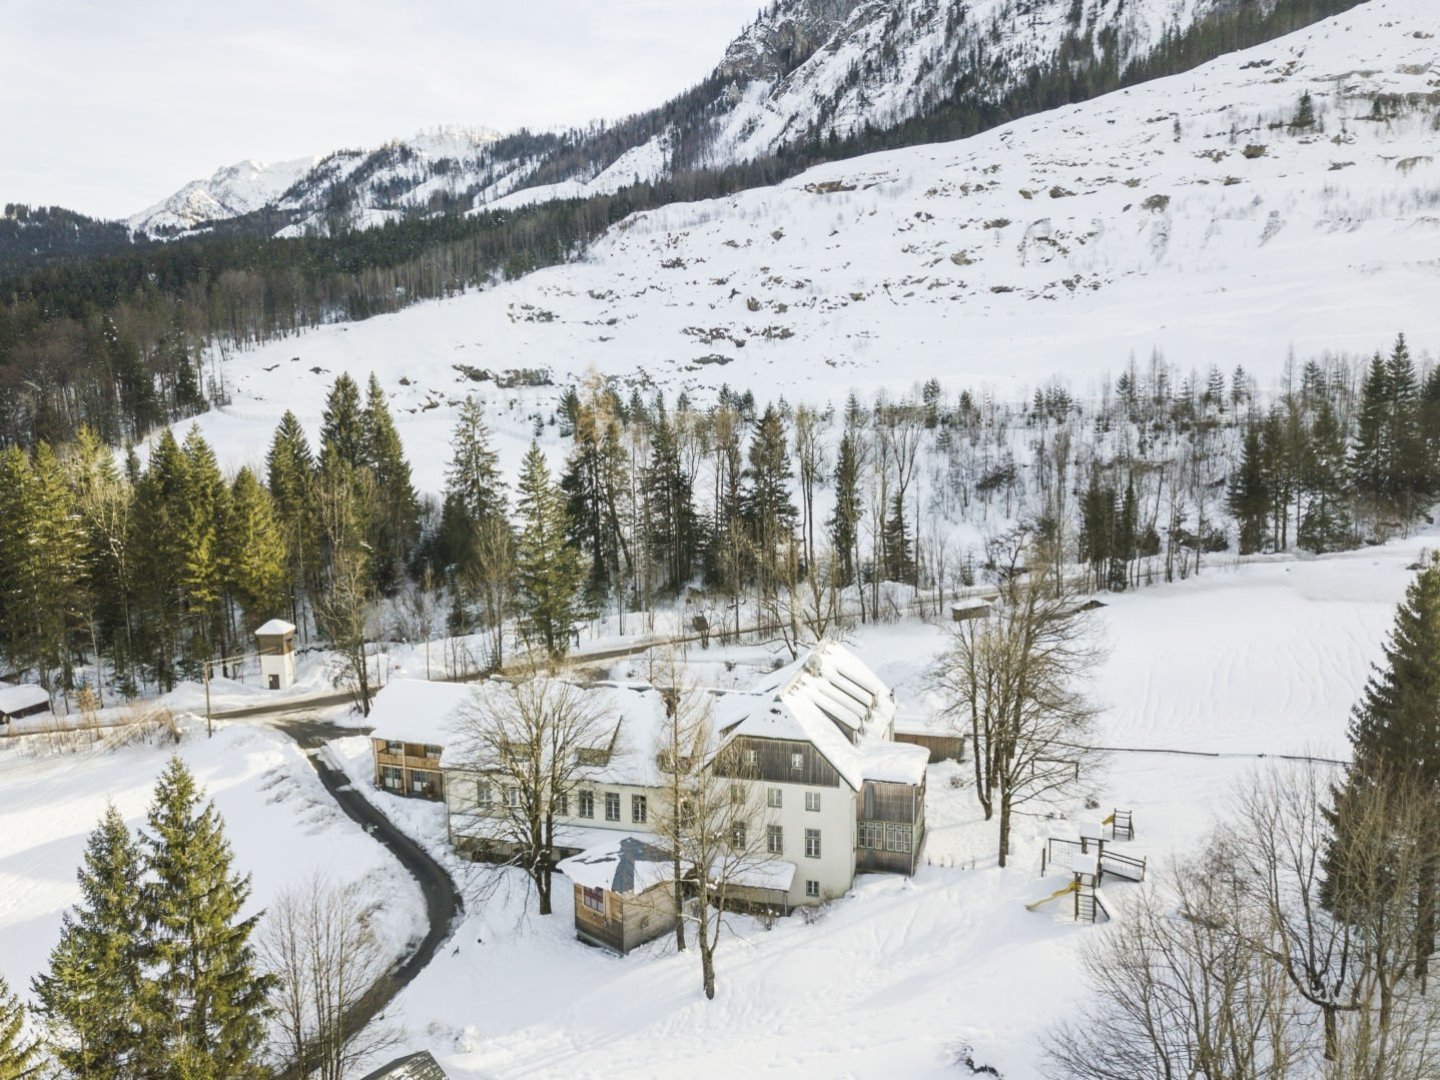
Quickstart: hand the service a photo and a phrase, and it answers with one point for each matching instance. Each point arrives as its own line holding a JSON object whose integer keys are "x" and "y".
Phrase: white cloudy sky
{"x": 110, "y": 105}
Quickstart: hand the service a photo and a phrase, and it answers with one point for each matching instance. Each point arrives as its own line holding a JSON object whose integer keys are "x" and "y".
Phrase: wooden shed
{"x": 972, "y": 608}
{"x": 624, "y": 893}
{"x": 17, "y": 702}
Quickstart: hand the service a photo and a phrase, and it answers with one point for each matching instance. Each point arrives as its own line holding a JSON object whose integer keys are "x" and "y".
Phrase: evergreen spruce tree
{"x": 549, "y": 575}
{"x": 1428, "y": 422}
{"x": 672, "y": 527}
{"x": 19, "y": 1055}
{"x": 253, "y": 550}
{"x": 158, "y": 528}
{"x": 474, "y": 490}
{"x": 594, "y": 485}
{"x": 90, "y": 996}
{"x": 899, "y": 551}
{"x": 290, "y": 473}
{"x": 1249, "y": 496}
{"x": 849, "y": 509}
{"x": 1325, "y": 523}
{"x": 1395, "y": 732}
{"x": 342, "y": 425}
{"x": 1407, "y": 470}
{"x": 766, "y": 507}
{"x": 201, "y": 517}
{"x": 395, "y": 527}
{"x": 1370, "y": 452}
{"x": 203, "y": 1004}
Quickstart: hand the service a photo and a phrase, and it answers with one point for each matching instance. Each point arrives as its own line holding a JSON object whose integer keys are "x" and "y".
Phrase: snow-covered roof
{"x": 772, "y": 874}
{"x": 894, "y": 763}
{"x": 626, "y": 864}
{"x": 417, "y": 711}
{"x": 275, "y": 627}
{"x": 826, "y": 698}
{"x": 26, "y": 696}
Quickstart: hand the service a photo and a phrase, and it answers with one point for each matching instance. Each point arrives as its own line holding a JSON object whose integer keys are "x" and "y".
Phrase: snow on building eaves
{"x": 418, "y": 711}
{"x": 627, "y": 864}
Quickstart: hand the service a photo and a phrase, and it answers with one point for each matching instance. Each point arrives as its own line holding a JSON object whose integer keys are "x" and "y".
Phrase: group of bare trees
{"x": 1259, "y": 963}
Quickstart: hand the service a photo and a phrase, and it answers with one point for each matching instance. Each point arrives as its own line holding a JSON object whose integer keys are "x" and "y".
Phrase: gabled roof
{"x": 26, "y": 696}
{"x": 625, "y": 865}
{"x": 417, "y": 711}
{"x": 421, "y": 1066}
{"x": 830, "y": 699}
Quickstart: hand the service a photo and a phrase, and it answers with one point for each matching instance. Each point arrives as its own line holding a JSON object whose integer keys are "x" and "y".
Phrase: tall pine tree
{"x": 1395, "y": 732}
{"x": 203, "y": 1004}
{"x": 548, "y": 572}
{"x": 89, "y": 998}
{"x": 19, "y": 1055}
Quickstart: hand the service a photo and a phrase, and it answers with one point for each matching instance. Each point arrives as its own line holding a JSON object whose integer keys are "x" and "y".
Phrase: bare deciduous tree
{"x": 319, "y": 943}
{"x": 1011, "y": 683}
{"x": 527, "y": 744}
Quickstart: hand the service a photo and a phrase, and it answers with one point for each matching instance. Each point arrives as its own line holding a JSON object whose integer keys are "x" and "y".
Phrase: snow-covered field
{"x": 1182, "y": 216}
{"x": 1263, "y": 658}
{"x": 283, "y": 827}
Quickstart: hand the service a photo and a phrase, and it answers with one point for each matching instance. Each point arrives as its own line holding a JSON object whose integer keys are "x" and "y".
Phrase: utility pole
{"x": 209, "y": 720}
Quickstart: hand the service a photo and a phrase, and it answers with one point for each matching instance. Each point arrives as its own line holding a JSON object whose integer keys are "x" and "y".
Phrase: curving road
{"x": 443, "y": 903}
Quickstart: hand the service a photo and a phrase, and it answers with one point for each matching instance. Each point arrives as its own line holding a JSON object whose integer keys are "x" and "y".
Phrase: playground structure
{"x": 1088, "y": 861}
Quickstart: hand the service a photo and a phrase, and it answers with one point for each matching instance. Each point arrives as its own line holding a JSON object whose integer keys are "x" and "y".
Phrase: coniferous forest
{"x": 129, "y": 577}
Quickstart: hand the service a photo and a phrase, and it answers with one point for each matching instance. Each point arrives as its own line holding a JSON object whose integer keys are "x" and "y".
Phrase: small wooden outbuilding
{"x": 624, "y": 893}
{"x": 18, "y": 702}
{"x": 973, "y": 608}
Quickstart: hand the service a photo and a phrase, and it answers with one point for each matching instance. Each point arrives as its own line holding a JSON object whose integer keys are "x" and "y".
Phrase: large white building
{"x": 814, "y": 740}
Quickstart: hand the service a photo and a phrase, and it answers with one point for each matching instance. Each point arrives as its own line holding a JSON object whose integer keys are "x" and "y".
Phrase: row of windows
{"x": 392, "y": 778}
{"x": 639, "y": 805}
{"x": 396, "y": 748}
{"x": 775, "y": 840}
{"x": 886, "y": 836}
{"x": 775, "y": 799}
{"x": 797, "y": 760}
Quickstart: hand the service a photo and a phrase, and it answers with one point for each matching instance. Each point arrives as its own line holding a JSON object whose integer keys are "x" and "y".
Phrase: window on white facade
{"x": 812, "y": 800}
{"x": 637, "y": 809}
{"x": 812, "y": 843}
{"x": 774, "y": 797}
{"x": 797, "y": 761}
{"x": 737, "y": 835}
{"x": 612, "y": 806}
{"x": 562, "y": 803}
{"x": 587, "y": 804}
{"x": 482, "y": 793}
{"x": 812, "y": 888}
{"x": 775, "y": 840}
{"x": 512, "y": 797}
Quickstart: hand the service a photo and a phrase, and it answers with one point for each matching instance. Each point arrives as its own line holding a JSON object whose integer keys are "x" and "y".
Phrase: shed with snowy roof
{"x": 624, "y": 893}
{"x": 17, "y": 702}
{"x": 275, "y": 641}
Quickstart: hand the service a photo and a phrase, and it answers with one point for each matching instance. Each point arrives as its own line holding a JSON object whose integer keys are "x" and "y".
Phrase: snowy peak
{"x": 230, "y": 192}
{"x": 437, "y": 164}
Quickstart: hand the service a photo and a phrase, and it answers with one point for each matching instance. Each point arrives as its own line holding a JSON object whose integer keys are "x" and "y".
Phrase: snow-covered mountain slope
{"x": 805, "y": 74}
{"x": 365, "y": 187}
{"x": 230, "y": 192}
{"x": 1186, "y": 216}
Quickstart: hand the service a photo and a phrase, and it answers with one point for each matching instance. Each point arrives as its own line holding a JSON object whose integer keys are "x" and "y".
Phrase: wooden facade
{"x": 889, "y": 827}
{"x": 623, "y": 921}
{"x": 774, "y": 761}
{"x": 941, "y": 747}
{"x": 408, "y": 769}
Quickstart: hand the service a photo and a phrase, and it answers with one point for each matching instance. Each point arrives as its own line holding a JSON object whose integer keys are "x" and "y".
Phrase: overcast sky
{"x": 111, "y": 105}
